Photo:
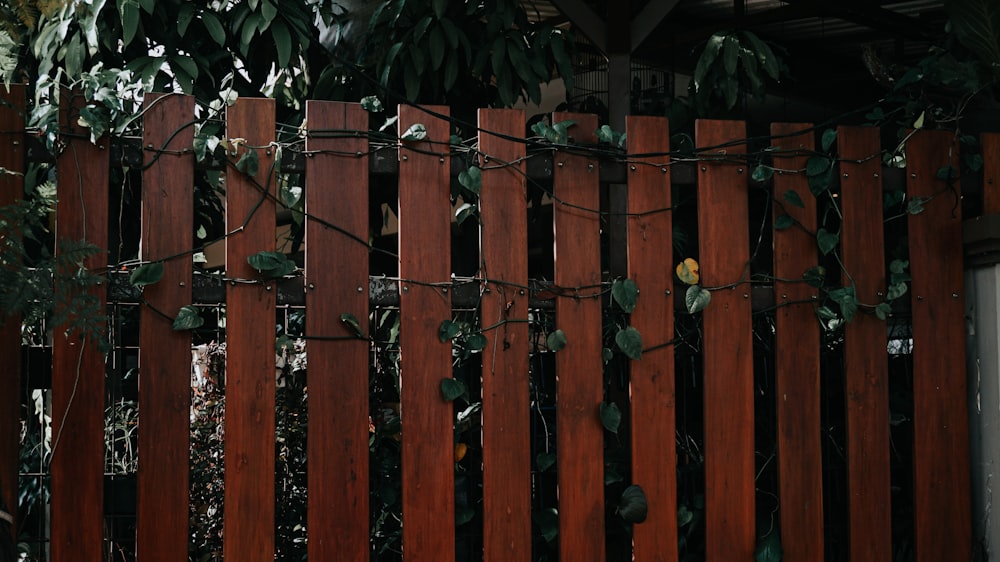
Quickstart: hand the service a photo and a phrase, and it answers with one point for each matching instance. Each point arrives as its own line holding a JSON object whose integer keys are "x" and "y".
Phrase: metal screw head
{"x": 703, "y": 168}
{"x": 406, "y": 289}
{"x": 746, "y": 295}
{"x": 667, "y": 292}
{"x": 444, "y": 291}
{"x": 267, "y": 287}
{"x": 521, "y": 292}
{"x": 486, "y": 290}
{"x": 954, "y": 295}
{"x": 181, "y": 284}
{"x": 632, "y": 168}
{"x": 312, "y": 286}
{"x": 560, "y": 164}
{"x": 664, "y": 170}
{"x": 590, "y": 167}
{"x": 845, "y": 174}
{"x": 360, "y": 289}
{"x": 404, "y": 157}
{"x": 739, "y": 170}
{"x": 441, "y": 159}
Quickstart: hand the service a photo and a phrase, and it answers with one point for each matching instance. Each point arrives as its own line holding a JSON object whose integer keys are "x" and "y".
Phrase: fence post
{"x": 796, "y": 351}
{"x": 77, "y": 464}
{"x": 12, "y": 108}
{"x": 941, "y": 478}
{"x": 506, "y": 398}
{"x": 250, "y": 365}
{"x": 865, "y": 364}
{"x": 728, "y": 349}
{"x": 580, "y": 386}
{"x": 651, "y": 379}
{"x": 337, "y": 283}
{"x": 426, "y": 417}
{"x": 165, "y": 354}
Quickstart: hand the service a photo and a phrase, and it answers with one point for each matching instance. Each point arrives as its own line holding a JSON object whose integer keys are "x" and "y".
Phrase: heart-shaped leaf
{"x": 629, "y": 340}
{"x": 146, "y": 274}
{"x": 696, "y": 299}
{"x": 625, "y": 293}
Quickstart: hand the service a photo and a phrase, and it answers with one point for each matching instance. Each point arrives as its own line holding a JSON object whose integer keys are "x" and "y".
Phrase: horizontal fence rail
{"x": 727, "y": 288}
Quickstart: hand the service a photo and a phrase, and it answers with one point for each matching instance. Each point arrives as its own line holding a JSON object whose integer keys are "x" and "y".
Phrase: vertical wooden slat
{"x": 651, "y": 379}
{"x": 579, "y": 389}
{"x": 940, "y": 413}
{"x": 796, "y": 350}
{"x": 337, "y": 278}
{"x": 249, "y": 418}
{"x": 990, "y": 143}
{"x": 77, "y": 466}
{"x": 506, "y": 400}
{"x": 12, "y": 108}
{"x": 164, "y": 396}
{"x": 728, "y": 351}
{"x": 865, "y": 363}
{"x": 425, "y": 257}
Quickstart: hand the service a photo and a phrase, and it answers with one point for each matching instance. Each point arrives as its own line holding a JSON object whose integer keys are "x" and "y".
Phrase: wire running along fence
{"x": 747, "y": 361}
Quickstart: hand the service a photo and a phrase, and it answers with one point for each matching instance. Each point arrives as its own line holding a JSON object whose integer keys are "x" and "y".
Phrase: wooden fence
{"x": 336, "y": 278}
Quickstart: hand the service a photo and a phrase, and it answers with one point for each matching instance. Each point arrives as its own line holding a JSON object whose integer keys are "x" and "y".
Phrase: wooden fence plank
{"x": 651, "y": 379}
{"x": 337, "y": 281}
{"x": 579, "y": 389}
{"x": 425, "y": 257}
{"x": 796, "y": 351}
{"x": 164, "y": 353}
{"x": 77, "y": 465}
{"x": 942, "y": 527}
{"x": 12, "y": 108}
{"x": 865, "y": 363}
{"x": 728, "y": 347}
{"x": 506, "y": 399}
{"x": 250, "y": 308}
{"x": 990, "y": 143}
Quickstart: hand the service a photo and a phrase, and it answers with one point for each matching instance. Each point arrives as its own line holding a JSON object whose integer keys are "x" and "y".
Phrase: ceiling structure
{"x": 823, "y": 41}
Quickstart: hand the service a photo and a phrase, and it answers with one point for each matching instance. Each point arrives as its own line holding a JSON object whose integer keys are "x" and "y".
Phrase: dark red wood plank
{"x": 940, "y": 412}
{"x": 990, "y": 143}
{"x": 426, "y": 417}
{"x": 164, "y": 397}
{"x": 337, "y": 281}
{"x": 796, "y": 351}
{"x": 651, "y": 379}
{"x": 579, "y": 389}
{"x": 77, "y": 503}
{"x": 723, "y": 215}
{"x": 250, "y": 309}
{"x": 865, "y": 362}
{"x": 12, "y": 107}
{"x": 506, "y": 399}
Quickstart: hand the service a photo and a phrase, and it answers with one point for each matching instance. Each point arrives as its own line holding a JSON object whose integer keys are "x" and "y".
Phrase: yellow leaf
{"x": 687, "y": 271}
{"x": 460, "y": 450}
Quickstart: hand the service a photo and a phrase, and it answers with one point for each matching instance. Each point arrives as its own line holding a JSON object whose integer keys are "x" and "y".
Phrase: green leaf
{"x": 629, "y": 340}
{"x": 271, "y": 265}
{"x": 188, "y": 318}
{"x": 476, "y": 342}
{"x": 947, "y": 173}
{"x": 448, "y": 330}
{"x": 464, "y": 514}
{"x": 249, "y": 163}
{"x": 633, "y": 505}
{"x": 895, "y": 291}
{"x": 416, "y": 132}
{"x": 815, "y": 276}
{"x": 762, "y": 173}
{"x": 783, "y": 222}
{"x": 696, "y": 299}
{"x": 556, "y": 340}
{"x": 352, "y": 322}
{"x": 547, "y": 521}
{"x": 916, "y": 205}
{"x": 452, "y": 388}
{"x": 129, "y": 12}
{"x": 611, "y": 417}
{"x": 826, "y": 240}
{"x": 769, "y": 549}
{"x": 817, "y": 165}
{"x": 883, "y": 310}
{"x": 544, "y": 461}
{"x": 282, "y": 42}
{"x": 706, "y": 59}
{"x": 471, "y": 178}
{"x": 436, "y": 47}
{"x": 792, "y": 198}
{"x": 848, "y": 301}
{"x": 976, "y": 23}
{"x": 824, "y": 313}
{"x": 372, "y": 104}
{"x": 625, "y": 293}
{"x": 146, "y": 274}
{"x": 829, "y": 136}
{"x": 768, "y": 61}
{"x": 730, "y": 54}
{"x": 606, "y": 355}
{"x": 439, "y": 7}
{"x": 184, "y": 17}
{"x": 214, "y": 27}
{"x": 822, "y": 182}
